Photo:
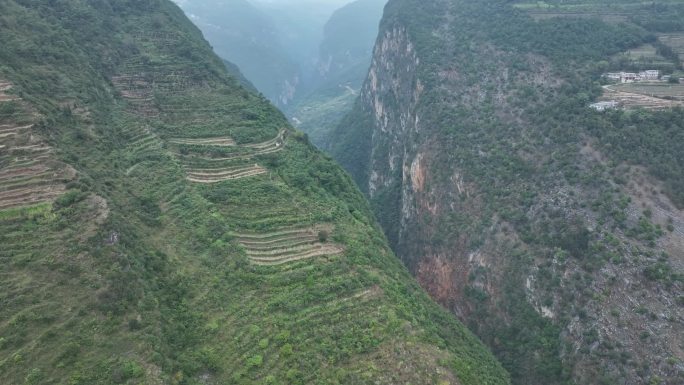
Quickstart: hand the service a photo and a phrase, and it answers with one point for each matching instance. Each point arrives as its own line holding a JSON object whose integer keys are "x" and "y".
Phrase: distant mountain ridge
{"x": 343, "y": 61}
{"x": 247, "y": 37}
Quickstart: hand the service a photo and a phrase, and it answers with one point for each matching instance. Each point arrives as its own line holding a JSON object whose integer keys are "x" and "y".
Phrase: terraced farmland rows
{"x": 674, "y": 41}
{"x": 4, "y": 97}
{"x": 608, "y": 17}
{"x": 205, "y": 169}
{"x": 241, "y": 157}
{"x": 29, "y": 173}
{"x": 269, "y": 144}
{"x": 634, "y": 100}
{"x": 288, "y": 245}
{"x": 221, "y": 142}
{"x": 658, "y": 90}
{"x": 138, "y": 88}
{"x": 138, "y": 92}
{"x": 221, "y": 175}
{"x": 278, "y": 216}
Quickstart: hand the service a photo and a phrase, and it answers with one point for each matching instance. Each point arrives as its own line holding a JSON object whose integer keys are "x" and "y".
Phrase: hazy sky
{"x": 328, "y": 3}
{"x": 302, "y": 1}
{"x": 337, "y": 3}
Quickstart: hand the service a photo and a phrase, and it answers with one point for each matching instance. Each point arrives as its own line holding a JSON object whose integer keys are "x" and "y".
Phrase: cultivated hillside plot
{"x": 288, "y": 245}
{"x": 204, "y": 158}
{"x": 29, "y": 171}
{"x": 674, "y": 41}
{"x": 137, "y": 90}
{"x": 202, "y": 167}
{"x": 651, "y": 97}
{"x": 224, "y": 174}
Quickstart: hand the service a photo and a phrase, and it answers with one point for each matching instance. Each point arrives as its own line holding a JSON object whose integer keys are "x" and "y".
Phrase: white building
{"x": 649, "y": 75}
{"x": 602, "y": 106}
{"x": 628, "y": 77}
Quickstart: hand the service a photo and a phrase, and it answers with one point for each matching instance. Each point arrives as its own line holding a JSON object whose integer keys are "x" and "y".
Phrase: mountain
{"x": 162, "y": 224}
{"x": 243, "y": 34}
{"x": 348, "y": 40}
{"x": 553, "y": 230}
{"x": 300, "y": 25}
{"x": 343, "y": 61}
{"x": 275, "y": 44}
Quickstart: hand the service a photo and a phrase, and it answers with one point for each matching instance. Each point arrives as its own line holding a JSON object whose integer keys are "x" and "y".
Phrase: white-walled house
{"x": 602, "y": 106}
{"x": 630, "y": 77}
{"x": 649, "y": 75}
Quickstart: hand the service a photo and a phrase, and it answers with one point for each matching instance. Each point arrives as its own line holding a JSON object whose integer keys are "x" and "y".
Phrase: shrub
{"x": 255, "y": 361}
{"x": 286, "y": 350}
{"x": 126, "y": 371}
{"x": 134, "y": 324}
{"x": 69, "y": 198}
{"x": 658, "y": 272}
{"x": 35, "y": 376}
{"x": 294, "y": 376}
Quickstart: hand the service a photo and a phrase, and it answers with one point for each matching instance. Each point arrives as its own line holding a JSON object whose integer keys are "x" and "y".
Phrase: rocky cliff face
{"x": 491, "y": 185}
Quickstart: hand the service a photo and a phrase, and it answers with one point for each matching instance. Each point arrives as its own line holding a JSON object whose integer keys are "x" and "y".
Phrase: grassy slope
{"x": 153, "y": 287}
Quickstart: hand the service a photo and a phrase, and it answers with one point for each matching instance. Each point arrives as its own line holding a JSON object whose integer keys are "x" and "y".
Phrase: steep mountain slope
{"x": 555, "y": 231}
{"x": 246, "y": 36}
{"x": 344, "y": 58}
{"x": 160, "y": 224}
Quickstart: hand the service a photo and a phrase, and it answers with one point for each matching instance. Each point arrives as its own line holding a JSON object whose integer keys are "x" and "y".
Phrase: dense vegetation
{"x": 139, "y": 275}
{"x": 517, "y": 139}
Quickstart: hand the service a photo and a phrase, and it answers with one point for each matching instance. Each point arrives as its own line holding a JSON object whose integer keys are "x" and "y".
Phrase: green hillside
{"x": 160, "y": 224}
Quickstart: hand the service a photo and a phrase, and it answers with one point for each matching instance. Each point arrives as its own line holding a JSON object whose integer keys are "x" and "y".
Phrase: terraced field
{"x": 674, "y": 41}
{"x": 224, "y": 174}
{"x": 137, "y": 90}
{"x": 206, "y": 159}
{"x": 645, "y": 56}
{"x": 542, "y": 10}
{"x": 656, "y": 90}
{"x": 288, "y": 245}
{"x": 608, "y": 17}
{"x": 223, "y": 142}
{"x": 4, "y": 86}
{"x": 202, "y": 167}
{"x": 629, "y": 97}
{"x": 29, "y": 172}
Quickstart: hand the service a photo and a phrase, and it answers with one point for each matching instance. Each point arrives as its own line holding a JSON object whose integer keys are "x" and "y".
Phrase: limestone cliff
{"x": 507, "y": 198}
